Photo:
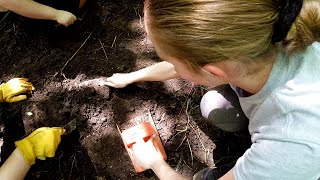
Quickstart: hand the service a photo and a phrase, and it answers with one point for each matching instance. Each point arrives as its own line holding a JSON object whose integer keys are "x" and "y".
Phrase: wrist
{"x": 18, "y": 154}
{"x": 158, "y": 164}
{"x": 133, "y": 77}
{"x": 55, "y": 15}
{"x": 26, "y": 149}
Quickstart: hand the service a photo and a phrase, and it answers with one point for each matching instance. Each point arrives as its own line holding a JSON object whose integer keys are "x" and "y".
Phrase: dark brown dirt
{"x": 41, "y": 51}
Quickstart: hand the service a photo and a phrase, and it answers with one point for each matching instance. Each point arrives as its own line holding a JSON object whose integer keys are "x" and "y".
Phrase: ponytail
{"x": 306, "y": 28}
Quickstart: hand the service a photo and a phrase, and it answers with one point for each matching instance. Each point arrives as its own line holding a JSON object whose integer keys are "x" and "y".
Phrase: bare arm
{"x": 32, "y": 9}
{"x": 15, "y": 167}
{"x": 165, "y": 172}
{"x": 158, "y": 72}
{"x": 147, "y": 157}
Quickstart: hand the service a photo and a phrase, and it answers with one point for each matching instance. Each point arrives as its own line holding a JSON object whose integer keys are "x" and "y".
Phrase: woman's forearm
{"x": 165, "y": 172}
{"x": 158, "y": 72}
{"x": 15, "y": 167}
{"x": 29, "y": 8}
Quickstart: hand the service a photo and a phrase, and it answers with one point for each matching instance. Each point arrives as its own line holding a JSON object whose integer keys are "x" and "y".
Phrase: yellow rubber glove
{"x": 15, "y": 90}
{"x": 40, "y": 144}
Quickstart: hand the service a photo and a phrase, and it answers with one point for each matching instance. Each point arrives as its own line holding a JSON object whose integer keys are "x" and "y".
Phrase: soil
{"x": 108, "y": 38}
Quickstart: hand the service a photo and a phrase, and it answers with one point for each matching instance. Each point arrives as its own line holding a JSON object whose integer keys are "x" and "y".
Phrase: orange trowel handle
{"x": 142, "y": 131}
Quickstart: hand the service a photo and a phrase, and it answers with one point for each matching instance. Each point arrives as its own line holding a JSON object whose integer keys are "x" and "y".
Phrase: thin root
{"x": 184, "y": 138}
{"x": 75, "y": 52}
{"x": 190, "y": 152}
{"x": 74, "y": 158}
{"x": 105, "y": 54}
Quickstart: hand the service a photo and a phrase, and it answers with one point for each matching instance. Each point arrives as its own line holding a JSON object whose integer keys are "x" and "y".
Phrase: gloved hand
{"x": 15, "y": 89}
{"x": 40, "y": 144}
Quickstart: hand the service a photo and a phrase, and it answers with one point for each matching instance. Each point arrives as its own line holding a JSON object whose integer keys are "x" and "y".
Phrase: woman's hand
{"x": 119, "y": 80}
{"x": 145, "y": 154}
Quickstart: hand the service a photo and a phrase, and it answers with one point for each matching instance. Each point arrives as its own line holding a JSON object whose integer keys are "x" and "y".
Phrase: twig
{"x": 76, "y": 52}
{"x": 103, "y": 49}
{"x": 114, "y": 41}
{"x": 190, "y": 152}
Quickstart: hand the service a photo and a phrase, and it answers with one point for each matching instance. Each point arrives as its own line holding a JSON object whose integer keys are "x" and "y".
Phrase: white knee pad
{"x": 213, "y": 100}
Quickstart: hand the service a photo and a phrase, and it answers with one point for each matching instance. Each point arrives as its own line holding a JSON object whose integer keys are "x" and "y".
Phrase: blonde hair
{"x": 306, "y": 28}
{"x": 200, "y": 32}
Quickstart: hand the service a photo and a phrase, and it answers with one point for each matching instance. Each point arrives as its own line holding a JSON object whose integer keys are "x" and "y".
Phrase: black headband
{"x": 288, "y": 12}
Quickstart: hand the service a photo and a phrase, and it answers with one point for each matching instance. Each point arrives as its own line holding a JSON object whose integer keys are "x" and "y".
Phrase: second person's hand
{"x": 15, "y": 90}
{"x": 40, "y": 144}
{"x": 65, "y": 18}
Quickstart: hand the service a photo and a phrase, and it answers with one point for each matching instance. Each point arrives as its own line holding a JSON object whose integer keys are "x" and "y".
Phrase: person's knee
{"x": 220, "y": 112}
{"x": 213, "y": 100}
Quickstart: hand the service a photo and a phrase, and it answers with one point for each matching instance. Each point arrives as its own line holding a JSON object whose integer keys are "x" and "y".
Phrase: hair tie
{"x": 288, "y": 12}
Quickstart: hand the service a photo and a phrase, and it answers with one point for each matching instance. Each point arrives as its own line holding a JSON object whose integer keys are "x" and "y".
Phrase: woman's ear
{"x": 215, "y": 71}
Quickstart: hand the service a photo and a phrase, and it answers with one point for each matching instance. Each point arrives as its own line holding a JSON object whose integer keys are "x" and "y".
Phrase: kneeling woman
{"x": 269, "y": 52}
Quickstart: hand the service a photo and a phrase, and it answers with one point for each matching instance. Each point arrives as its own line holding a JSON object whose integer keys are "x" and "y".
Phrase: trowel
{"x": 70, "y": 126}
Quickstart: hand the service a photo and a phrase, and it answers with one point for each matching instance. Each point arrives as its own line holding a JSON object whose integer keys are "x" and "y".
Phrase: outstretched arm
{"x": 32, "y": 9}
{"x": 158, "y": 72}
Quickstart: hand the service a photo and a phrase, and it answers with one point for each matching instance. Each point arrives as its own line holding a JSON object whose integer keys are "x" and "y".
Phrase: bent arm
{"x": 15, "y": 167}
{"x": 29, "y": 8}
